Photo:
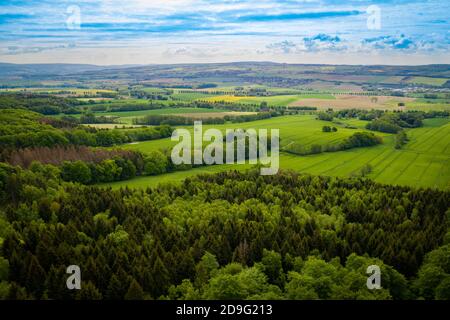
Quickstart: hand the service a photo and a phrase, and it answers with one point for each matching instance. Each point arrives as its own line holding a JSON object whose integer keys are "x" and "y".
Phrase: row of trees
{"x": 24, "y": 129}
{"x": 174, "y": 120}
{"x": 395, "y": 122}
{"x": 356, "y": 140}
{"x": 41, "y": 103}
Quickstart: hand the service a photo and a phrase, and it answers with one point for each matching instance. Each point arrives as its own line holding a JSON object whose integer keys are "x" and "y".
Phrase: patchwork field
{"x": 75, "y": 92}
{"x": 301, "y": 129}
{"x": 350, "y": 101}
{"x": 427, "y": 80}
{"x": 126, "y": 117}
{"x": 279, "y": 100}
{"x": 423, "y": 162}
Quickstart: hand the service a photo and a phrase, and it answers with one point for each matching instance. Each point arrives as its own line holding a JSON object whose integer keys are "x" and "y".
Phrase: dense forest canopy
{"x": 224, "y": 236}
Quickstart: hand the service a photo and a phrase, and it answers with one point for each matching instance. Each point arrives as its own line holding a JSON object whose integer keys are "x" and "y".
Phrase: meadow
{"x": 126, "y": 117}
{"x": 301, "y": 129}
{"x": 423, "y": 161}
{"x": 277, "y": 100}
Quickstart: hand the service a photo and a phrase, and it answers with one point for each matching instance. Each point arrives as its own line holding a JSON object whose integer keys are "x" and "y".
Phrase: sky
{"x": 116, "y": 32}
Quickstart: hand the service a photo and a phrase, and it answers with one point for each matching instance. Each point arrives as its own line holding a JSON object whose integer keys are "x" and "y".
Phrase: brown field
{"x": 356, "y": 102}
{"x": 324, "y": 86}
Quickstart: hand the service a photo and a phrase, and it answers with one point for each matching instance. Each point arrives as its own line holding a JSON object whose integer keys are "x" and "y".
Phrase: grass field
{"x": 350, "y": 101}
{"x": 428, "y": 105}
{"x": 300, "y": 129}
{"x": 127, "y": 117}
{"x": 427, "y": 81}
{"x": 142, "y": 113}
{"x": 280, "y": 100}
{"x": 423, "y": 162}
{"x": 191, "y": 96}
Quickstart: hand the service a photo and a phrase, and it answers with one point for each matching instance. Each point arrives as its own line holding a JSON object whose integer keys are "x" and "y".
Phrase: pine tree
{"x": 35, "y": 277}
{"x": 88, "y": 292}
{"x": 160, "y": 277}
{"x": 135, "y": 291}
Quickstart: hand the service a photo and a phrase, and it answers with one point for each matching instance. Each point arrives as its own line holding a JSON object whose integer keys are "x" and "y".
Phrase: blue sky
{"x": 181, "y": 31}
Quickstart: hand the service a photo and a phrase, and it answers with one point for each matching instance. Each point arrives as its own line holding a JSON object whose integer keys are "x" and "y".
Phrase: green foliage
{"x": 325, "y": 116}
{"x": 135, "y": 292}
{"x": 155, "y": 163}
{"x": 23, "y": 129}
{"x": 4, "y": 269}
{"x": 77, "y": 171}
{"x": 45, "y": 104}
{"x": 400, "y": 139}
{"x": 394, "y": 122}
{"x": 88, "y": 292}
{"x": 157, "y": 243}
{"x": 433, "y": 277}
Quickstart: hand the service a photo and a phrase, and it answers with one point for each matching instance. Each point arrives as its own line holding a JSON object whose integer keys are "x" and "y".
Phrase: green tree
{"x": 155, "y": 163}
{"x": 206, "y": 268}
{"x": 272, "y": 266}
{"x": 77, "y": 171}
{"x": 135, "y": 291}
{"x": 88, "y": 292}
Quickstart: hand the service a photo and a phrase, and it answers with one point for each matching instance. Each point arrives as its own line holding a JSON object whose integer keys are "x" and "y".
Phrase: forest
{"x": 225, "y": 236}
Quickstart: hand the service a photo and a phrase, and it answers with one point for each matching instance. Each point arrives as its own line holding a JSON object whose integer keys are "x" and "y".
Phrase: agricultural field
{"x": 427, "y": 81}
{"x": 191, "y": 96}
{"x": 423, "y": 162}
{"x": 278, "y": 100}
{"x": 357, "y": 102}
{"x": 126, "y": 117}
{"x": 300, "y": 129}
{"x": 73, "y": 92}
{"x": 141, "y": 113}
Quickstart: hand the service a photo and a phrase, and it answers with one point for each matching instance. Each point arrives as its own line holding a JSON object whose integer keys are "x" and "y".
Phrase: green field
{"x": 301, "y": 129}
{"x": 142, "y": 113}
{"x": 279, "y": 100}
{"x": 191, "y": 96}
{"x": 428, "y": 81}
{"x": 423, "y": 161}
{"x": 428, "y": 105}
{"x": 127, "y": 117}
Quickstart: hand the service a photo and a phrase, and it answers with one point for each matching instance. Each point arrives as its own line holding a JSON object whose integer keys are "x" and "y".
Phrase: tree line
{"x": 356, "y": 140}
{"x": 24, "y": 129}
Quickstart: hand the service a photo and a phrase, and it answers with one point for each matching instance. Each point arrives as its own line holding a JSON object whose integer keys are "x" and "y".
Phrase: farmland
{"x": 277, "y": 100}
{"x": 358, "y": 102}
{"x": 422, "y": 163}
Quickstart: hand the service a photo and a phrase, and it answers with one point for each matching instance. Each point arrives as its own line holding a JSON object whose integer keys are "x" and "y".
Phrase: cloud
{"x": 283, "y": 47}
{"x": 286, "y": 27}
{"x": 297, "y": 16}
{"x": 193, "y": 52}
{"x": 319, "y": 42}
{"x": 16, "y": 50}
{"x": 322, "y": 42}
{"x": 390, "y": 42}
